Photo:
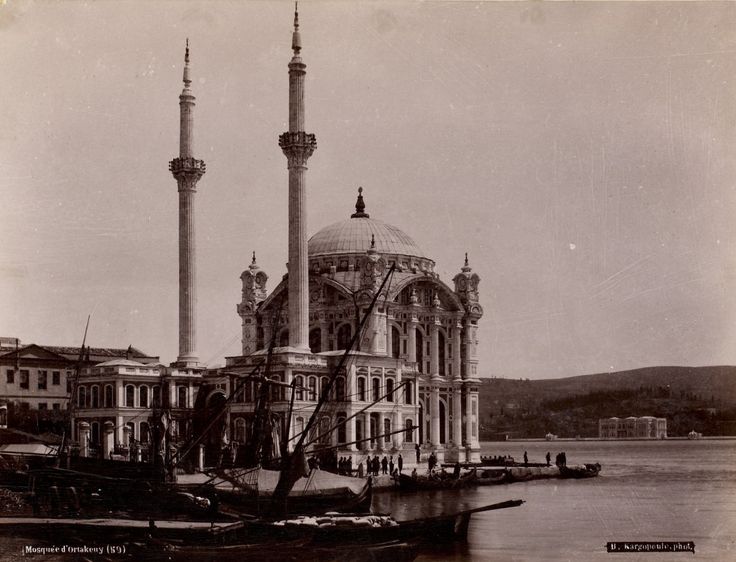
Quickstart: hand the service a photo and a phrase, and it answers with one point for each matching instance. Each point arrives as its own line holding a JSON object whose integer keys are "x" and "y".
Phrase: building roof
{"x": 354, "y": 235}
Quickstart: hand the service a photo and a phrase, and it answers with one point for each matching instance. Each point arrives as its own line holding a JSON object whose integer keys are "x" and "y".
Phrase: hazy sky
{"x": 581, "y": 153}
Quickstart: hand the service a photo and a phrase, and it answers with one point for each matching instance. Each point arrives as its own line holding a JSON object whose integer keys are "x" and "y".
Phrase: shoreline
{"x": 534, "y": 439}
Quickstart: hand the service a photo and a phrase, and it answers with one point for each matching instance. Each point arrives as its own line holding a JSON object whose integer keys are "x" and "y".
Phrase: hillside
{"x": 699, "y": 398}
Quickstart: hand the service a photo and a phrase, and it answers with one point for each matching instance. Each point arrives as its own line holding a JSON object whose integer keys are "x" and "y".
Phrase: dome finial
{"x": 253, "y": 265}
{"x": 467, "y": 267}
{"x": 360, "y": 207}
{"x": 254, "y": 257}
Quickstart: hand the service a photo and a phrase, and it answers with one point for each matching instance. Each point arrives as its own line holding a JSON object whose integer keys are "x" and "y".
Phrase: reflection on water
{"x": 647, "y": 491}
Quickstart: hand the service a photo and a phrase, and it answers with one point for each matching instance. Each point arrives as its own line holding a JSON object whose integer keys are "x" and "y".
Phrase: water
{"x": 647, "y": 491}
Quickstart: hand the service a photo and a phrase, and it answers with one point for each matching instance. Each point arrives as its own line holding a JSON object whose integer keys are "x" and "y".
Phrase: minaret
{"x": 187, "y": 170}
{"x": 298, "y": 146}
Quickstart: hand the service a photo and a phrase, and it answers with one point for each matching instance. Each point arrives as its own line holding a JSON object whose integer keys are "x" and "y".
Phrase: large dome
{"x": 353, "y": 236}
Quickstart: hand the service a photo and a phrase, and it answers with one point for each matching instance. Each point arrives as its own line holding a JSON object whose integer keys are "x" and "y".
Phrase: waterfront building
{"x": 117, "y": 399}
{"x": 412, "y": 376}
{"x": 645, "y": 427}
{"x": 41, "y": 375}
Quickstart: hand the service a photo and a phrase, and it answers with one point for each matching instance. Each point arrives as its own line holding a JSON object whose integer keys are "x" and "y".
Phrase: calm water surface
{"x": 647, "y": 491}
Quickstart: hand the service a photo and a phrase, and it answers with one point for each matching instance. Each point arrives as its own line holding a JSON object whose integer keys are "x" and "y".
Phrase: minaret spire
{"x": 297, "y": 146}
{"x": 187, "y": 170}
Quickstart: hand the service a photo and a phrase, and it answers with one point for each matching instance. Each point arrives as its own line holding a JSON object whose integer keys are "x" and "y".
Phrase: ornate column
{"x": 468, "y": 418}
{"x": 457, "y": 352}
{"x": 457, "y": 415}
{"x": 435, "y": 415}
{"x": 297, "y": 146}
{"x": 434, "y": 359}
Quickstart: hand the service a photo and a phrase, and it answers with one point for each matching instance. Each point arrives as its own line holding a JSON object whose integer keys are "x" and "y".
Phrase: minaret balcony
{"x": 187, "y": 166}
{"x": 298, "y": 142}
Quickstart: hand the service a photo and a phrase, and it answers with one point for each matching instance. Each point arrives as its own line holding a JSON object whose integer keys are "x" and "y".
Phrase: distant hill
{"x": 700, "y": 398}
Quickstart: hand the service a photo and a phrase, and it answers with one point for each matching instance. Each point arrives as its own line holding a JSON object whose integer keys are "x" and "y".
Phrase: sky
{"x": 581, "y": 153}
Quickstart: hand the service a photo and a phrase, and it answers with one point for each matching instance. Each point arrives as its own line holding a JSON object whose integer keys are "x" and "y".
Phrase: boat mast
{"x": 73, "y": 391}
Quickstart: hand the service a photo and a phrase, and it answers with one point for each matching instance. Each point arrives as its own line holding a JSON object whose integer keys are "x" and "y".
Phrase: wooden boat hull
{"x": 588, "y": 470}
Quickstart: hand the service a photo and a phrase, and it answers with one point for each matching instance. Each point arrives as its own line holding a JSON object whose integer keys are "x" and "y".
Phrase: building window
{"x": 340, "y": 388}
{"x": 323, "y": 382}
{"x": 43, "y": 406}
{"x": 182, "y": 402}
{"x": 24, "y": 376}
{"x": 315, "y": 340}
{"x": 361, "y": 389}
{"x": 143, "y": 391}
{"x": 57, "y": 406}
{"x": 56, "y": 378}
{"x": 157, "y": 396}
{"x": 386, "y": 430}
{"x": 409, "y": 428}
{"x": 313, "y": 388}
{"x": 341, "y": 430}
{"x": 409, "y": 393}
{"x": 390, "y": 390}
{"x": 108, "y": 396}
{"x": 299, "y": 382}
{"x": 344, "y": 336}
{"x": 130, "y": 396}
{"x": 441, "y": 350}
{"x": 145, "y": 436}
{"x": 10, "y": 376}
{"x": 395, "y": 342}
{"x": 42, "y": 380}
{"x": 376, "y": 388}
{"x": 94, "y": 397}
{"x": 82, "y": 397}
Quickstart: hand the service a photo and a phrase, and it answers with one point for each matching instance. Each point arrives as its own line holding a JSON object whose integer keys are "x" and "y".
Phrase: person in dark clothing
{"x": 456, "y": 471}
{"x": 418, "y": 452}
{"x": 526, "y": 459}
{"x": 384, "y": 465}
{"x": 548, "y": 458}
{"x": 391, "y": 464}
{"x": 400, "y": 463}
{"x": 431, "y": 462}
{"x": 376, "y": 465}
{"x": 564, "y": 458}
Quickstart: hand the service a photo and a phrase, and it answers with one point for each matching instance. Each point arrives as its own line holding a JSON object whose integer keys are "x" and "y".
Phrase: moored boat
{"x": 436, "y": 481}
{"x": 587, "y": 470}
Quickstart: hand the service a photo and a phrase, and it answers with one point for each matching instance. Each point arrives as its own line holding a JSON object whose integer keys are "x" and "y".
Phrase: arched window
{"x": 441, "y": 338}
{"x": 386, "y": 430}
{"x": 94, "y": 401}
{"x": 409, "y": 425}
{"x": 341, "y": 431}
{"x": 361, "y": 389}
{"x": 145, "y": 432}
{"x": 182, "y": 397}
{"x": 390, "y": 390}
{"x": 143, "y": 396}
{"x": 376, "y": 388}
{"x": 239, "y": 434}
{"x": 344, "y": 335}
{"x": 420, "y": 351}
{"x": 299, "y": 380}
{"x": 374, "y": 429}
{"x": 82, "y": 397}
{"x": 284, "y": 338}
{"x": 313, "y": 388}
{"x": 315, "y": 340}
{"x": 298, "y": 426}
{"x": 156, "y": 396}
{"x": 275, "y": 389}
{"x": 340, "y": 389}
{"x": 131, "y": 434}
{"x": 409, "y": 392}
{"x": 395, "y": 342}
{"x": 249, "y": 391}
{"x": 359, "y": 433}
{"x": 109, "y": 401}
{"x": 130, "y": 396}
{"x": 323, "y": 382}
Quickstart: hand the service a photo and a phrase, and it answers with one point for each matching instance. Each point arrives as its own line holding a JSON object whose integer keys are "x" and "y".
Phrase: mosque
{"x": 411, "y": 376}
{"x": 360, "y": 315}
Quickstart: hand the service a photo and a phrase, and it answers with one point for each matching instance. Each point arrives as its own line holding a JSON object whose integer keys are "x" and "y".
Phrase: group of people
{"x": 560, "y": 459}
{"x": 345, "y": 466}
{"x": 385, "y": 465}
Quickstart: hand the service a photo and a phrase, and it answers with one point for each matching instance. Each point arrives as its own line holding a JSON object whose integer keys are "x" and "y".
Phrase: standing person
{"x": 526, "y": 459}
{"x": 400, "y": 463}
{"x": 564, "y": 458}
{"x": 376, "y": 465}
{"x": 432, "y": 461}
{"x": 391, "y": 465}
{"x": 548, "y": 458}
{"x": 418, "y": 452}
{"x": 360, "y": 469}
{"x": 384, "y": 465}
{"x": 456, "y": 471}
